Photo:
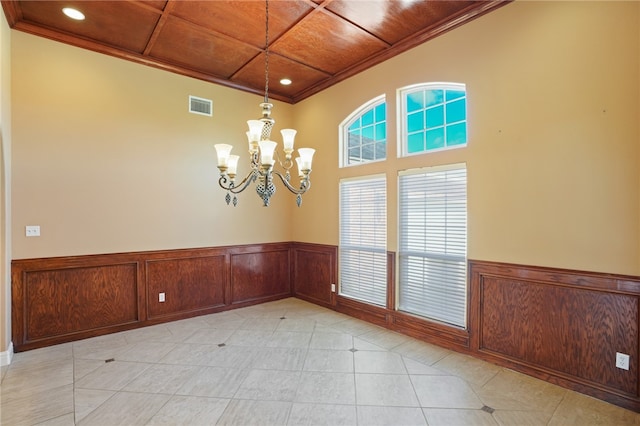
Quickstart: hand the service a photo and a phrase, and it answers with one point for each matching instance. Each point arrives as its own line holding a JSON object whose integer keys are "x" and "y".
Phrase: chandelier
{"x": 261, "y": 152}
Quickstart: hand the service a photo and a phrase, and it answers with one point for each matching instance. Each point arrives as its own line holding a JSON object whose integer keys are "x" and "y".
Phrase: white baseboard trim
{"x": 6, "y": 356}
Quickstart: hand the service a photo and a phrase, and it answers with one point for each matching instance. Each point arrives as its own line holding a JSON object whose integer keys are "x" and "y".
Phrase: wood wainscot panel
{"x": 314, "y": 270}
{"x": 56, "y": 301}
{"x": 62, "y": 299}
{"x": 260, "y": 273}
{"x": 558, "y": 325}
{"x": 189, "y": 285}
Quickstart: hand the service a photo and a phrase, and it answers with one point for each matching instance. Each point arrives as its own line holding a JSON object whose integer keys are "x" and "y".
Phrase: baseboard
{"x": 6, "y": 356}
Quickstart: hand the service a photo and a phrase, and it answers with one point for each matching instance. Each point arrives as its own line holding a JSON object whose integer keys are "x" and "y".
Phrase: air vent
{"x": 200, "y": 106}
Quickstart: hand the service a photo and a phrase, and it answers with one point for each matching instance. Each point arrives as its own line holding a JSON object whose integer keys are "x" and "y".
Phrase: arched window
{"x": 433, "y": 117}
{"x": 363, "y": 135}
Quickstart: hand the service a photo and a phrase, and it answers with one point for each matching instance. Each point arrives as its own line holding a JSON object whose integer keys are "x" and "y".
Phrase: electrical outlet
{"x": 622, "y": 361}
{"x": 32, "y": 230}
{"x": 333, "y": 288}
{"x": 160, "y": 297}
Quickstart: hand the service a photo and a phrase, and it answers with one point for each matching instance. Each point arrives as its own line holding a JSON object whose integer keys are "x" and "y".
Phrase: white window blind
{"x": 433, "y": 243}
{"x": 363, "y": 239}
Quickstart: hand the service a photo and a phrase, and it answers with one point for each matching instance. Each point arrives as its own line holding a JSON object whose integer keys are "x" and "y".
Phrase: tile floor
{"x": 283, "y": 363}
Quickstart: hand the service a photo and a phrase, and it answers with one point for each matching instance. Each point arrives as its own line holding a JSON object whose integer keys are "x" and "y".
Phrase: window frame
{"x": 343, "y": 131}
{"x": 401, "y": 115}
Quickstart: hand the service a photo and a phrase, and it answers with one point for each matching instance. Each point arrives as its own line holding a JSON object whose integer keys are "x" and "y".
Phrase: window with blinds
{"x": 433, "y": 243}
{"x": 363, "y": 239}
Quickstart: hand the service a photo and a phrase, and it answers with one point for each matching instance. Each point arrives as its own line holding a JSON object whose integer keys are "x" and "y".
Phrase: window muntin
{"x": 365, "y": 133}
{"x": 363, "y": 239}
{"x": 433, "y": 117}
{"x": 433, "y": 243}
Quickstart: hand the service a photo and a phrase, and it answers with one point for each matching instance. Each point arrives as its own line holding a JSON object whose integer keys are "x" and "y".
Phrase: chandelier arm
{"x": 227, "y": 184}
{"x": 305, "y": 184}
{"x": 286, "y": 164}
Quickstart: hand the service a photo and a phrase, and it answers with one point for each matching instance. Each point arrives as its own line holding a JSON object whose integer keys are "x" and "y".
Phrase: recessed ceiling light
{"x": 285, "y": 81}
{"x": 73, "y": 13}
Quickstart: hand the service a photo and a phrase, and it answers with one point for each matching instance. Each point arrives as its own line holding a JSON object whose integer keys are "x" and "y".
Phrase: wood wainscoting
{"x": 61, "y": 299}
{"x": 560, "y": 326}
{"x": 315, "y": 268}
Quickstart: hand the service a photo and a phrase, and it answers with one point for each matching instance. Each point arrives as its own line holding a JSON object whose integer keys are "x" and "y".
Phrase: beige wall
{"x": 106, "y": 157}
{"x": 554, "y": 144}
{"x": 5, "y": 189}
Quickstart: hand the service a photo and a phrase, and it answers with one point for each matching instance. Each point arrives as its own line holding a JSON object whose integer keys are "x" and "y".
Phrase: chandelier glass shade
{"x": 263, "y": 157}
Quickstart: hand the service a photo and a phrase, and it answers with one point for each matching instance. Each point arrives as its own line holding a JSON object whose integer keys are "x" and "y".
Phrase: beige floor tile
{"x": 326, "y": 388}
{"x": 210, "y": 336}
{"x": 363, "y": 345}
{"x": 509, "y": 390}
{"x": 242, "y": 412}
{"x": 162, "y": 378}
{"x": 416, "y": 367}
{"x": 423, "y": 352}
{"x": 154, "y": 333}
{"x": 322, "y": 414}
{"x": 262, "y": 313}
{"x": 64, "y": 420}
{"x": 102, "y": 347}
{"x": 43, "y": 355}
{"x": 390, "y": 416}
{"x": 578, "y": 409}
{"x": 22, "y": 381}
{"x": 126, "y": 409}
{"x": 82, "y": 367}
{"x": 221, "y": 318}
{"x": 471, "y": 369}
{"x": 3, "y": 371}
{"x": 356, "y": 327}
{"x": 214, "y": 382}
{"x": 147, "y": 352}
{"x": 112, "y": 375}
{"x": 301, "y": 325}
{"x": 289, "y": 339}
{"x": 384, "y": 338}
{"x": 445, "y": 392}
{"x": 333, "y": 340}
{"x": 379, "y": 362}
{"x": 250, "y": 338}
{"x": 448, "y": 417}
{"x": 291, "y": 359}
{"x": 232, "y": 357}
{"x": 385, "y": 389}
{"x": 329, "y": 317}
{"x": 329, "y": 361}
{"x": 189, "y": 354}
{"x": 87, "y": 400}
{"x": 262, "y": 324}
{"x": 185, "y": 328}
{"x": 36, "y": 407}
{"x": 521, "y": 418}
{"x": 269, "y": 385}
{"x": 227, "y": 324}
{"x": 189, "y": 411}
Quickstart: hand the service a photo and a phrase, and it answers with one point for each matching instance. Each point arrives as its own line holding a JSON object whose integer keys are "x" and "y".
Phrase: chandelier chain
{"x": 266, "y": 53}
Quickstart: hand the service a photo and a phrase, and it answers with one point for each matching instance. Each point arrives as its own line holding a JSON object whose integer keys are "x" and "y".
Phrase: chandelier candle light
{"x": 261, "y": 152}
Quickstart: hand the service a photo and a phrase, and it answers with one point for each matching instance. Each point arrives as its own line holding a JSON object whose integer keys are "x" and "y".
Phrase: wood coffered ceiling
{"x": 315, "y": 43}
